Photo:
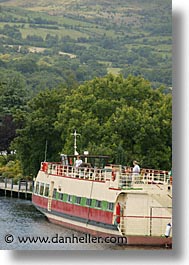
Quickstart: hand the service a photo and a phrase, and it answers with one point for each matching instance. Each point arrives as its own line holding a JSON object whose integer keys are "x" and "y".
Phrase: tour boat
{"x": 103, "y": 199}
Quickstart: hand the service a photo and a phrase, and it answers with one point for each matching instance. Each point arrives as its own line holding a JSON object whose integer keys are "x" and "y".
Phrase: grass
{"x": 103, "y": 19}
{"x": 75, "y": 28}
{"x": 114, "y": 71}
{"x": 42, "y": 32}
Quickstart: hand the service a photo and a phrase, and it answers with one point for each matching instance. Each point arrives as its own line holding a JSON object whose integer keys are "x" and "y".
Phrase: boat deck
{"x": 119, "y": 177}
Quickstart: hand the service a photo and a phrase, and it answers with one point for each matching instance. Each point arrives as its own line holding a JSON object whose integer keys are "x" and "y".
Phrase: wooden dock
{"x": 23, "y": 189}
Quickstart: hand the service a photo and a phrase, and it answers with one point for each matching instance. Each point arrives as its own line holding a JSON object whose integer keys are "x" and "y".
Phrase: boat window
{"x": 88, "y": 202}
{"x": 60, "y": 196}
{"x": 46, "y": 190}
{"x": 41, "y": 190}
{"x": 69, "y": 198}
{"x": 98, "y": 204}
{"x": 37, "y": 188}
{"x": 54, "y": 193}
{"x": 78, "y": 200}
{"x": 110, "y": 206}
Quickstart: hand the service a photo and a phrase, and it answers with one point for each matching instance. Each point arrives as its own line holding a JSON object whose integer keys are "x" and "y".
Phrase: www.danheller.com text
{"x": 59, "y": 239}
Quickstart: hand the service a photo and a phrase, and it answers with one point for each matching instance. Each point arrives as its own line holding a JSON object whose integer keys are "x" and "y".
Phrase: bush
{"x": 12, "y": 169}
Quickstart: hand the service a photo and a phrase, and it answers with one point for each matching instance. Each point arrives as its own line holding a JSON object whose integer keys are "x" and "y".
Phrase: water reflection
{"x": 20, "y": 218}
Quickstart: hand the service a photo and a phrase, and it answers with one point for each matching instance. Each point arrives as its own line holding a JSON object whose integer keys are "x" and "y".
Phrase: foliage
{"x": 91, "y": 39}
{"x": 38, "y": 130}
{"x": 124, "y": 118}
{"x": 7, "y": 133}
{"x": 13, "y": 92}
{"x": 120, "y": 116}
{"x": 13, "y": 96}
{"x": 12, "y": 169}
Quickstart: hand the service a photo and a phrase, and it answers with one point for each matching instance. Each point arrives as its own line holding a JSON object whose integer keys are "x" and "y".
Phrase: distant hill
{"x": 115, "y": 11}
{"x": 117, "y": 36}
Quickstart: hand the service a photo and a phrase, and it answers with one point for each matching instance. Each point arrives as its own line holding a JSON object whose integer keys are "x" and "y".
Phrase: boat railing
{"x": 75, "y": 172}
{"x": 117, "y": 177}
{"x": 129, "y": 180}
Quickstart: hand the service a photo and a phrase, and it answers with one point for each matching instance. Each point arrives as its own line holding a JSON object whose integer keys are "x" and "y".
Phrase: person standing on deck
{"x": 136, "y": 168}
{"x": 78, "y": 161}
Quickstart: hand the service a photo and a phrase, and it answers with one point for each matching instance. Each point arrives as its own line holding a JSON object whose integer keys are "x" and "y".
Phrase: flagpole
{"x": 75, "y": 134}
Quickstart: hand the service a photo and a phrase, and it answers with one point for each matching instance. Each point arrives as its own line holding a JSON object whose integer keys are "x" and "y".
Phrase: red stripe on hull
{"x": 131, "y": 240}
{"x": 69, "y": 208}
{"x": 40, "y": 201}
{"x": 75, "y": 210}
{"x": 146, "y": 217}
{"x": 149, "y": 240}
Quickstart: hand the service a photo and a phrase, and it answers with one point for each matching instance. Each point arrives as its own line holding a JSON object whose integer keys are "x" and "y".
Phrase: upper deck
{"x": 118, "y": 176}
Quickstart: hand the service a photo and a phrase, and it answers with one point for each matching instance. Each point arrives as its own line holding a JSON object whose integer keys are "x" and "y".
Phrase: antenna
{"x": 45, "y": 151}
{"x": 75, "y": 134}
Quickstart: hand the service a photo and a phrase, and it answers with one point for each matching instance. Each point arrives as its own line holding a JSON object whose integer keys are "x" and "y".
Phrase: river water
{"x": 19, "y": 219}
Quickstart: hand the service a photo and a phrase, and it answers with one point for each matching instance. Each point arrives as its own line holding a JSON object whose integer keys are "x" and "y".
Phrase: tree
{"x": 123, "y": 118}
{"x": 26, "y": 65}
{"x": 12, "y": 99}
{"x": 114, "y": 114}
{"x": 39, "y": 131}
{"x": 13, "y": 93}
{"x": 7, "y": 132}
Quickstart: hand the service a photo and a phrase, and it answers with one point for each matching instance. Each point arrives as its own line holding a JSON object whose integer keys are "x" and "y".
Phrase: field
{"x": 133, "y": 36}
{"x": 103, "y": 67}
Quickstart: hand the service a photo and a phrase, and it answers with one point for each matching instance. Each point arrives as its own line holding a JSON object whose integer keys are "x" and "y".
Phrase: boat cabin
{"x": 93, "y": 161}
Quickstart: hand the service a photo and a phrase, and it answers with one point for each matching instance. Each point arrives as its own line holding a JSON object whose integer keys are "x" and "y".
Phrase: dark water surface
{"x": 19, "y": 219}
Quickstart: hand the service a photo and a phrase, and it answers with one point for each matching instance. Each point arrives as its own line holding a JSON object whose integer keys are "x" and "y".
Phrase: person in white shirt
{"x": 136, "y": 168}
{"x": 78, "y": 161}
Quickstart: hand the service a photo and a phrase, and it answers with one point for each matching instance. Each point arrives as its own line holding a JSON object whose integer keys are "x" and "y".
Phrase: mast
{"x": 75, "y": 134}
{"x": 46, "y": 150}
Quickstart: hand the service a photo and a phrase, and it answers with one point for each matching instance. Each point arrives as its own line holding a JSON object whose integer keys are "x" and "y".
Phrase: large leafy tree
{"x": 125, "y": 118}
{"x": 38, "y": 140}
{"x": 13, "y": 92}
{"x": 7, "y": 132}
{"x": 13, "y": 97}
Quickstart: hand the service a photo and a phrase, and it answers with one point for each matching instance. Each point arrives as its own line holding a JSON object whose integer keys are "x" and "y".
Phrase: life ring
{"x": 113, "y": 175}
{"x": 171, "y": 180}
{"x": 118, "y": 212}
{"x": 45, "y": 167}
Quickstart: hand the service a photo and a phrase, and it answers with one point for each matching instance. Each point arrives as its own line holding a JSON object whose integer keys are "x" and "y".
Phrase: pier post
{"x": 5, "y": 183}
{"x": 26, "y": 189}
{"x": 19, "y": 186}
{"x": 12, "y": 184}
{"x": 7, "y": 188}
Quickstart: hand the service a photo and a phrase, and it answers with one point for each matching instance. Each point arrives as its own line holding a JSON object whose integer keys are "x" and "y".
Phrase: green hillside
{"x": 95, "y": 38}
{"x": 103, "y": 67}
